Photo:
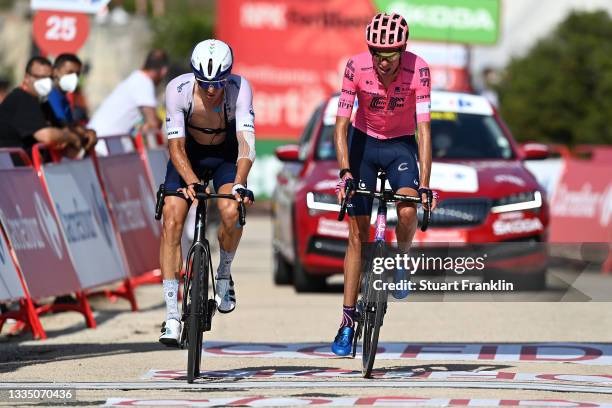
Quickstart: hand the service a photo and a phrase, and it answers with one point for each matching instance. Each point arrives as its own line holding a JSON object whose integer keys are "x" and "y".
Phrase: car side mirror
{"x": 535, "y": 151}
{"x": 288, "y": 153}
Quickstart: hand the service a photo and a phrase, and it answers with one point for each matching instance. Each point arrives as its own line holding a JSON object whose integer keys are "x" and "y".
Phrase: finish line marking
{"x": 403, "y": 401}
{"x": 578, "y": 353}
{"x": 221, "y": 385}
{"x": 318, "y": 373}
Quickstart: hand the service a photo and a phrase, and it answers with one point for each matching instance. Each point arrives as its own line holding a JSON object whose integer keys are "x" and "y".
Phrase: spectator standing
{"x": 24, "y": 113}
{"x": 132, "y": 101}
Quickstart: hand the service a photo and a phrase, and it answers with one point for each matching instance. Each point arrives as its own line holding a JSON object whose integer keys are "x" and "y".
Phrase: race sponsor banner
{"x": 133, "y": 207}
{"x": 35, "y": 235}
{"x": 324, "y": 373}
{"x": 86, "y": 223}
{"x": 390, "y": 400}
{"x": 578, "y": 353}
{"x": 465, "y": 21}
{"x": 306, "y": 46}
{"x": 581, "y": 207}
{"x": 10, "y": 285}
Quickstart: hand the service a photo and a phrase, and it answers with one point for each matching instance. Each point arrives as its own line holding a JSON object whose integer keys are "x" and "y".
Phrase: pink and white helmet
{"x": 387, "y": 31}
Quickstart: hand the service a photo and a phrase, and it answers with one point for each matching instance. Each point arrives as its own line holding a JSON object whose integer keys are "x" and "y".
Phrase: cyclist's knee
{"x": 229, "y": 211}
{"x": 406, "y": 213}
{"x": 173, "y": 223}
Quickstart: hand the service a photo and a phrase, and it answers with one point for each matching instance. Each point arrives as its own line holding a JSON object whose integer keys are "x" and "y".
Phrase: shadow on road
{"x": 19, "y": 356}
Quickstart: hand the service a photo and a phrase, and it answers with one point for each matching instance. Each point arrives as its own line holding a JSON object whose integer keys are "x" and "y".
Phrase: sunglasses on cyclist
{"x": 215, "y": 84}
{"x": 386, "y": 55}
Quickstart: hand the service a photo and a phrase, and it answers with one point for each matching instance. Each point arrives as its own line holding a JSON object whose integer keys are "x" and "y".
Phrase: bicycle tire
{"x": 374, "y": 305}
{"x": 199, "y": 289}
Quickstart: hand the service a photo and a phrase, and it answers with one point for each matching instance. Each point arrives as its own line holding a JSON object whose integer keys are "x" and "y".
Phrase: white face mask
{"x": 43, "y": 86}
{"x": 68, "y": 83}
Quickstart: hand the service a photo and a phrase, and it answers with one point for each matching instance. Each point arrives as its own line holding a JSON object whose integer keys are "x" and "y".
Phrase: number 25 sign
{"x": 56, "y": 32}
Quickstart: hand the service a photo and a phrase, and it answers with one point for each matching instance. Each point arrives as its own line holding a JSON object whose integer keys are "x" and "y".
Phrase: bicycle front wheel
{"x": 374, "y": 306}
{"x": 197, "y": 311}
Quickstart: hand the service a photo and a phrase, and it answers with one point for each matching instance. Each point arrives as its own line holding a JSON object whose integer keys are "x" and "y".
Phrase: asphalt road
{"x": 274, "y": 350}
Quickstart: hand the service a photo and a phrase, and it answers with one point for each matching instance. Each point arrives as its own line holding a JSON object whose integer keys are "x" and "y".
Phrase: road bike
{"x": 199, "y": 305}
{"x": 372, "y": 303}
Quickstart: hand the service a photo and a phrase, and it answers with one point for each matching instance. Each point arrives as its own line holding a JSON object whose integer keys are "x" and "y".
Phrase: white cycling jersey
{"x": 238, "y": 105}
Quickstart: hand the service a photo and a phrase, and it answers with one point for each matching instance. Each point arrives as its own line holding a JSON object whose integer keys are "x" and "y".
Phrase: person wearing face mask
{"x": 24, "y": 113}
{"x": 132, "y": 101}
{"x": 66, "y": 73}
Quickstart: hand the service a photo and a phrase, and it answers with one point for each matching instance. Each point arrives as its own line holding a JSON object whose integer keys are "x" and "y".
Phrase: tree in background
{"x": 560, "y": 92}
{"x": 185, "y": 24}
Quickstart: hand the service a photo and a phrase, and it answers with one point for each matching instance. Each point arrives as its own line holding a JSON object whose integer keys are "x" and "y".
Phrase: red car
{"x": 486, "y": 193}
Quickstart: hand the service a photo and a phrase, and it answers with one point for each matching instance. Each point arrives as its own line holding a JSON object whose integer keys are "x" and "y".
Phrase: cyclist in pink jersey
{"x": 393, "y": 90}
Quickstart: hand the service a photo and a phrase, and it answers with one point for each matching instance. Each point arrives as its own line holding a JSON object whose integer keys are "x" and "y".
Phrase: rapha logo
{"x": 48, "y": 225}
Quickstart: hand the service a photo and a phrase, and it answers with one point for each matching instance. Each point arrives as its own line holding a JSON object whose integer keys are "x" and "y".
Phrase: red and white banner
{"x": 10, "y": 285}
{"x": 35, "y": 235}
{"x": 294, "y": 53}
{"x": 85, "y": 220}
{"x": 581, "y": 207}
{"x": 133, "y": 208}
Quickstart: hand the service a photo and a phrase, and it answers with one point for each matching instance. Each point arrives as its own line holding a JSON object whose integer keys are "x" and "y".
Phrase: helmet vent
{"x": 210, "y": 67}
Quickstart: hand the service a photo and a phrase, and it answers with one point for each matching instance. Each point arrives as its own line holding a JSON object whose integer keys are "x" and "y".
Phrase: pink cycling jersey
{"x": 386, "y": 113}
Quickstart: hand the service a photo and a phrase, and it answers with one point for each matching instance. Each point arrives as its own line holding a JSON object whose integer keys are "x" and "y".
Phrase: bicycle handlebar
{"x": 201, "y": 194}
{"x": 386, "y": 196}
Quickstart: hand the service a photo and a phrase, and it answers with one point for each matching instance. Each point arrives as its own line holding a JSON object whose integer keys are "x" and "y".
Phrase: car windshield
{"x": 454, "y": 136}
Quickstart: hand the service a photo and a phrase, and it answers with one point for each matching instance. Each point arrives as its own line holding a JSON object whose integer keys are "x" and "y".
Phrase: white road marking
{"x": 578, "y": 353}
{"x": 258, "y": 401}
{"x": 221, "y": 385}
{"x": 382, "y": 374}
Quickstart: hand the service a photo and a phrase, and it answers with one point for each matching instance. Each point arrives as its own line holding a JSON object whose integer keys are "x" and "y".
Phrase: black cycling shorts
{"x": 367, "y": 155}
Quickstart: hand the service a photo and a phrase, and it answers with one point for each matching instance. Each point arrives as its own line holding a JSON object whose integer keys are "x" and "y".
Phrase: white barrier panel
{"x": 35, "y": 235}
{"x": 158, "y": 160}
{"x": 10, "y": 286}
{"x": 85, "y": 220}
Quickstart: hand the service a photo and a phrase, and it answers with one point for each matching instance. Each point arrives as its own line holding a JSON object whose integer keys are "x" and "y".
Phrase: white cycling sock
{"x": 225, "y": 264}
{"x": 170, "y": 295}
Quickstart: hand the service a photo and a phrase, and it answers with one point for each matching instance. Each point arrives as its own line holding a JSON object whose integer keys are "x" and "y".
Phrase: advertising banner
{"x": 294, "y": 52}
{"x": 80, "y": 6}
{"x": 581, "y": 207}
{"x": 133, "y": 207}
{"x": 458, "y": 21}
{"x": 35, "y": 235}
{"x": 86, "y": 222}
{"x": 10, "y": 286}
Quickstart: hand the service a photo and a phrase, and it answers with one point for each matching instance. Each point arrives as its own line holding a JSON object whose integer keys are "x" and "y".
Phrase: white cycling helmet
{"x": 211, "y": 60}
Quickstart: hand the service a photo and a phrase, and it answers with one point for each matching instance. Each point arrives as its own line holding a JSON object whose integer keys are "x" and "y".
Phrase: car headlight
{"x": 322, "y": 201}
{"x": 516, "y": 202}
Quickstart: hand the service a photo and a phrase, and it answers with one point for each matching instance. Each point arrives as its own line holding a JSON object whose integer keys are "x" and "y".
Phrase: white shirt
{"x": 120, "y": 112}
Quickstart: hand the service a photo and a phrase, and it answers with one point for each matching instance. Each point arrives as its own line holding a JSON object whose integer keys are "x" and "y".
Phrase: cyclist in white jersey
{"x": 210, "y": 126}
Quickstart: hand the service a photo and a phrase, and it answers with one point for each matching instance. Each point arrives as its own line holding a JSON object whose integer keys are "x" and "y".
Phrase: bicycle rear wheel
{"x": 197, "y": 311}
{"x": 374, "y": 306}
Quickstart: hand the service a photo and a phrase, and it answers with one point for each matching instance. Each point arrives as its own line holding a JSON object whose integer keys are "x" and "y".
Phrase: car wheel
{"x": 282, "y": 270}
{"x": 522, "y": 282}
{"x": 305, "y": 282}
